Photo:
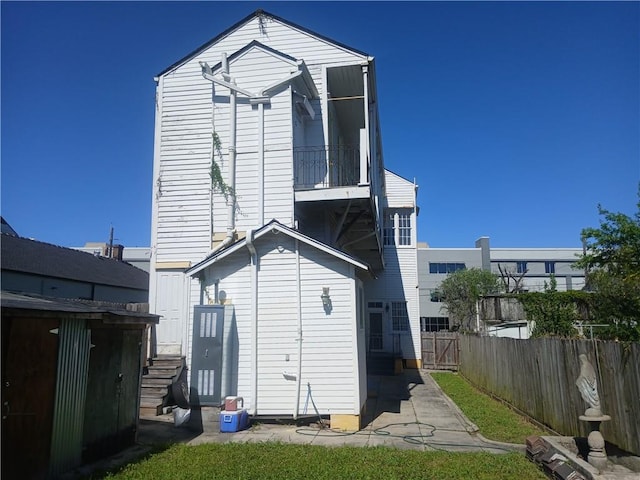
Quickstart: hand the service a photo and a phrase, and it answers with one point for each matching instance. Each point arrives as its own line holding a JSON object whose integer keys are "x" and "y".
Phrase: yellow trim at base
{"x": 398, "y": 367}
{"x": 349, "y": 423}
{"x": 413, "y": 363}
{"x": 172, "y": 265}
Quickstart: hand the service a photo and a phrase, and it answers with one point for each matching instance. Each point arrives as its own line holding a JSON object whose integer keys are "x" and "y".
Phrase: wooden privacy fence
{"x": 538, "y": 377}
{"x": 440, "y": 350}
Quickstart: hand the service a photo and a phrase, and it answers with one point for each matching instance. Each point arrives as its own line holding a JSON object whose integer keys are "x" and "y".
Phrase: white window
{"x": 397, "y": 227}
{"x": 399, "y": 317}
{"x": 404, "y": 228}
{"x": 389, "y": 229}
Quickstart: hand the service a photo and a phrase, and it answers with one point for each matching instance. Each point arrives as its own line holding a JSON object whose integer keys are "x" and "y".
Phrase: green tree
{"x": 553, "y": 313}
{"x": 460, "y": 292}
{"x": 612, "y": 262}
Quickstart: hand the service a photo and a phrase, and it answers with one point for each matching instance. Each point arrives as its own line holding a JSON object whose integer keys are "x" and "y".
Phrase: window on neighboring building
{"x": 445, "y": 267}
{"x": 521, "y": 267}
{"x": 404, "y": 229}
{"x": 389, "y": 229}
{"x": 549, "y": 267}
{"x": 434, "y": 324}
{"x": 399, "y": 317}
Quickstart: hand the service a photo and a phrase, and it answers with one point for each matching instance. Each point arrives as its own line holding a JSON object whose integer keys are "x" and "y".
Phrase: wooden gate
{"x": 440, "y": 350}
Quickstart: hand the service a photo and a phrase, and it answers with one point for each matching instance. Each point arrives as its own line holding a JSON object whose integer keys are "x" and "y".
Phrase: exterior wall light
{"x": 326, "y": 299}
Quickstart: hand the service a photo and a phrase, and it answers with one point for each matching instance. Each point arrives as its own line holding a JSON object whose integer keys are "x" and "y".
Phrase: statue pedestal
{"x": 597, "y": 454}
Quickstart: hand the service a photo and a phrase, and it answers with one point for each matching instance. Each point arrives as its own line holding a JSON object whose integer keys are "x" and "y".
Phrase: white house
{"x": 283, "y": 253}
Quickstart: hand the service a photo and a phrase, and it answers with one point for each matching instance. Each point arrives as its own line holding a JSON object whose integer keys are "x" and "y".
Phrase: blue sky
{"x": 515, "y": 119}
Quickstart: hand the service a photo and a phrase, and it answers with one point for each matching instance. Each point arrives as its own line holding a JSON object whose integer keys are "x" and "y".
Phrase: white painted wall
{"x": 333, "y": 343}
{"x": 399, "y": 280}
{"x": 184, "y": 150}
{"x": 185, "y": 117}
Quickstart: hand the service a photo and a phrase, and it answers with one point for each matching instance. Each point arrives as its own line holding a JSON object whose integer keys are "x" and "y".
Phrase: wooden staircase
{"x": 155, "y": 392}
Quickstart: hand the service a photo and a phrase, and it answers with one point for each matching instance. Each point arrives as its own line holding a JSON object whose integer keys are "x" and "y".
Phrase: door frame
{"x": 375, "y": 310}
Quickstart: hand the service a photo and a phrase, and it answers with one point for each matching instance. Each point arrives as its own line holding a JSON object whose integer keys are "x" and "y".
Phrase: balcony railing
{"x": 326, "y": 166}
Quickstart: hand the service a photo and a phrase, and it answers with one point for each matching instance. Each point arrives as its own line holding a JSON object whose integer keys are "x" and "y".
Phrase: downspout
{"x": 231, "y": 202}
{"x": 231, "y": 198}
{"x": 299, "y": 339}
{"x": 254, "y": 321}
{"x": 261, "y": 164}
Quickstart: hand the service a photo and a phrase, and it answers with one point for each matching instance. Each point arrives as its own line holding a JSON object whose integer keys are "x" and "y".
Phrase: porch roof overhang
{"x": 275, "y": 226}
{"x": 357, "y": 227}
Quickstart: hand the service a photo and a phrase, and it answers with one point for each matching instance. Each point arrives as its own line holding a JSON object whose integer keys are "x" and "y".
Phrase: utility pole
{"x": 110, "y": 251}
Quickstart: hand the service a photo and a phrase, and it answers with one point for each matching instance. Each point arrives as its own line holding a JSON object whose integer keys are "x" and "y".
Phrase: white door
{"x": 169, "y": 303}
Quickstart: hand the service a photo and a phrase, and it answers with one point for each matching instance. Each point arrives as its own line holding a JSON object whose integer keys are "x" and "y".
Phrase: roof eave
{"x": 274, "y": 224}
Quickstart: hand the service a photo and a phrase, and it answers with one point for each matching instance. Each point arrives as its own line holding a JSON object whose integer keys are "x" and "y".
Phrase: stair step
{"x": 156, "y": 384}
{"x": 152, "y": 411}
{"x": 155, "y": 381}
{"x": 150, "y": 401}
{"x": 167, "y": 361}
{"x": 160, "y": 374}
{"x": 154, "y": 390}
{"x": 161, "y": 368}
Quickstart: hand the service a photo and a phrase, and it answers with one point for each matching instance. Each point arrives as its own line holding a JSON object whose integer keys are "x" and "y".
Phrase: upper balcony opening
{"x": 343, "y": 161}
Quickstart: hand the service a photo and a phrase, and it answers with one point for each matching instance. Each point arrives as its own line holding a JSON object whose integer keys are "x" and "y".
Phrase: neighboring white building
{"x": 287, "y": 281}
{"x": 137, "y": 256}
{"x": 533, "y": 267}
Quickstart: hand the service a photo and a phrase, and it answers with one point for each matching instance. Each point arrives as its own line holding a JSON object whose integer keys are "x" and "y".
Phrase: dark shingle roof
{"x": 39, "y": 258}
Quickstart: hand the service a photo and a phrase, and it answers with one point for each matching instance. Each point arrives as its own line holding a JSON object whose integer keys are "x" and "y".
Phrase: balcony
{"x": 331, "y": 185}
{"x": 326, "y": 167}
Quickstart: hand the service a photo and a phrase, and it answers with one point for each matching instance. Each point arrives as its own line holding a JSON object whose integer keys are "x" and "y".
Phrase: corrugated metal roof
{"x": 39, "y": 258}
{"x": 79, "y": 308}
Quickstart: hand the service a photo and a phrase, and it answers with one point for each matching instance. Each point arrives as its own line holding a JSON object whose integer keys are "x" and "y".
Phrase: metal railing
{"x": 326, "y": 166}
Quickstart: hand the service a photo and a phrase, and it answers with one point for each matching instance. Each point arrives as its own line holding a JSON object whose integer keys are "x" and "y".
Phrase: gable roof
{"x": 262, "y": 46}
{"x": 274, "y": 225}
{"x": 39, "y": 258}
{"x": 257, "y": 13}
{"x": 306, "y": 81}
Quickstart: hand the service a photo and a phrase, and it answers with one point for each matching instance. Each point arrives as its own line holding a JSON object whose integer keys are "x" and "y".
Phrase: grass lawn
{"x": 495, "y": 420}
{"x": 292, "y": 461}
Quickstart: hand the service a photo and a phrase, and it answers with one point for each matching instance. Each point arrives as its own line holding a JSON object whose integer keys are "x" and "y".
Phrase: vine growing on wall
{"x": 217, "y": 182}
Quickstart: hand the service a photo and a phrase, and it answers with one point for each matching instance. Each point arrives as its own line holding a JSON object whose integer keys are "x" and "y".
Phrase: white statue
{"x": 587, "y": 384}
